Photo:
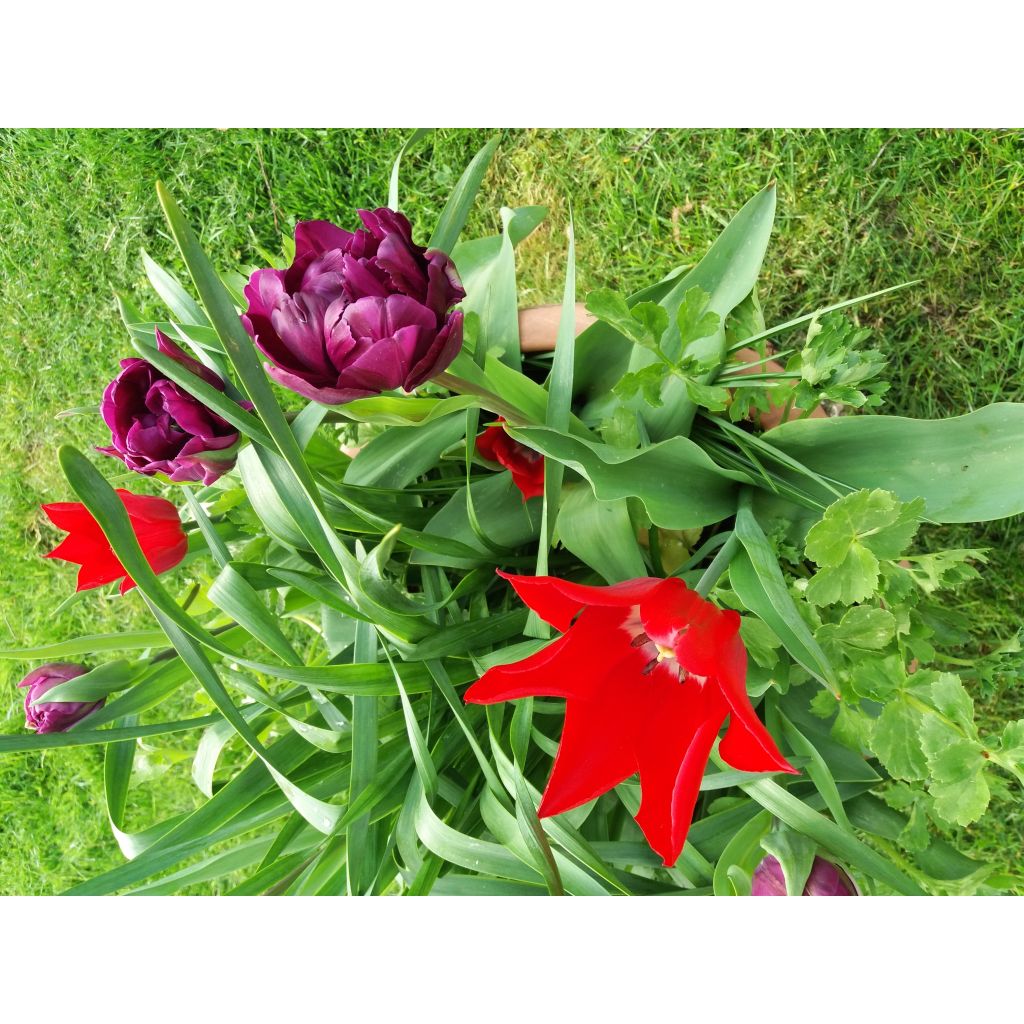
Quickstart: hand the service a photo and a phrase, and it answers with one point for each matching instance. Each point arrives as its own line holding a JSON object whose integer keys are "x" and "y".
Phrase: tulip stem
{"x": 718, "y": 566}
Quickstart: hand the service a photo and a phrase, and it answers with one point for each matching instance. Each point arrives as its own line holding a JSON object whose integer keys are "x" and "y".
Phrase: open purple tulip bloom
{"x": 158, "y": 427}
{"x": 357, "y": 313}
{"x": 56, "y": 716}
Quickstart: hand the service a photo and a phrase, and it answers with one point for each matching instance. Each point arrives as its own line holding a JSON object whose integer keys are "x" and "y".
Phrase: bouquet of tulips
{"x": 636, "y": 611}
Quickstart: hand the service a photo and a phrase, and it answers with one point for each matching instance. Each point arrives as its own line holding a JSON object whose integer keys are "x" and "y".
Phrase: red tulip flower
{"x": 157, "y": 529}
{"x": 650, "y": 671}
{"x": 525, "y": 465}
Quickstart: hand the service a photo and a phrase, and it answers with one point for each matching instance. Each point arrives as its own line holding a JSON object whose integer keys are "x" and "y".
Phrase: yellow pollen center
{"x": 664, "y": 652}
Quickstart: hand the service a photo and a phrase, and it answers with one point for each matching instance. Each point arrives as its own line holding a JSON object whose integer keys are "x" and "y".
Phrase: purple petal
{"x": 382, "y": 366}
{"x": 364, "y": 278}
{"x": 54, "y": 716}
{"x": 188, "y": 413}
{"x": 172, "y": 351}
{"x": 440, "y": 355}
{"x": 381, "y": 318}
{"x": 323, "y": 395}
{"x": 264, "y": 290}
{"x": 298, "y": 322}
{"x": 319, "y": 236}
{"x": 444, "y": 287}
{"x": 124, "y": 395}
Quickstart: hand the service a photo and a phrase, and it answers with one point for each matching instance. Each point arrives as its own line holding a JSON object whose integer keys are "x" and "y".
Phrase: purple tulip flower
{"x": 357, "y": 313}
{"x": 56, "y": 716}
{"x": 825, "y": 879}
{"x": 158, "y": 427}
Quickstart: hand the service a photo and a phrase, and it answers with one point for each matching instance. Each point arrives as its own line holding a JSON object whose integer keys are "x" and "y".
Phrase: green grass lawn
{"x": 858, "y": 211}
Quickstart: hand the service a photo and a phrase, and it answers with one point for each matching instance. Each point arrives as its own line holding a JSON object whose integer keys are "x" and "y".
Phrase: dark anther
{"x": 649, "y": 667}
{"x": 639, "y": 640}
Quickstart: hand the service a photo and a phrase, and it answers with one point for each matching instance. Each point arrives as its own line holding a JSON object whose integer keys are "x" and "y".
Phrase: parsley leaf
{"x": 694, "y": 319}
{"x": 956, "y": 765}
{"x": 834, "y": 367}
{"x": 894, "y": 738}
{"x": 645, "y": 382}
{"x": 853, "y": 535}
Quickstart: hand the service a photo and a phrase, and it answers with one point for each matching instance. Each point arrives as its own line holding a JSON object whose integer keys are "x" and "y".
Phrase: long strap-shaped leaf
{"x": 87, "y": 645}
{"x": 759, "y": 583}
{"x": 418, "y": 134}
{"x": 456, "y": 210}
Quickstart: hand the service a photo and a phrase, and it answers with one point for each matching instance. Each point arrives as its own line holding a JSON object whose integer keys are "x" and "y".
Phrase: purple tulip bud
{"x": 158, "y": 427}
{"x": 56, "y": 716}
{"x": 357, "y": 313}
{"x": 825, "y": 879}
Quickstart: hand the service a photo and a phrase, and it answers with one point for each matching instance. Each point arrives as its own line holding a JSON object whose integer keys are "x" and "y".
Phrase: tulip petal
{"x": 323, "y": 395}
{"x": 747, "y": 744}
{"x": 298, "y": 323}
{"x": 440, "y": 355}
{"x": 363, "y": 279}
{"x": 525, "y": 465}
{"x": 444, "y": 288}
{"x": 681, "y": 728}
{"x": 315, "y": 237}
{"x": 71, "y": 516}
{"x": 597, "y": 749}
{"x": 677, "y": 617}
{"x": 168, "y": 348}
{"x": 571, "y": 666}
{"x": 265, "y": 289}
{"x": 558, "y": 601}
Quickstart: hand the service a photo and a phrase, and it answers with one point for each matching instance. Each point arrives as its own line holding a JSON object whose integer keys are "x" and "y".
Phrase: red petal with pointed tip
{"x": 572, "y": 666}
{"x": 156, "y": 526}
{"x": 598, "y": 746}
{"x": 747, "y": 744}
{"x": 681, "y": 730}
{"x": 558, "y": 601}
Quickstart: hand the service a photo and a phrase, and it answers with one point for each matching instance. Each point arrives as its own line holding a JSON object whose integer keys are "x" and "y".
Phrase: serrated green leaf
{"x": 895, "y": 739}
{"x": 862, "y": 628}
{"x": 854, "y": 579}
{"x": 853, "y": 534}
{"x": 694, "y": 319}
{"x": 1011, "y": 743}
{"x": 653, "y": 320}
{"x": 611, "y": 307}
{"x": 707, "y": 396}
{"x": 876, "y": 520}
{"x": 645, "y": 382}
{"x": 962, "y": 802}
{"x": 949, "y": 696}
